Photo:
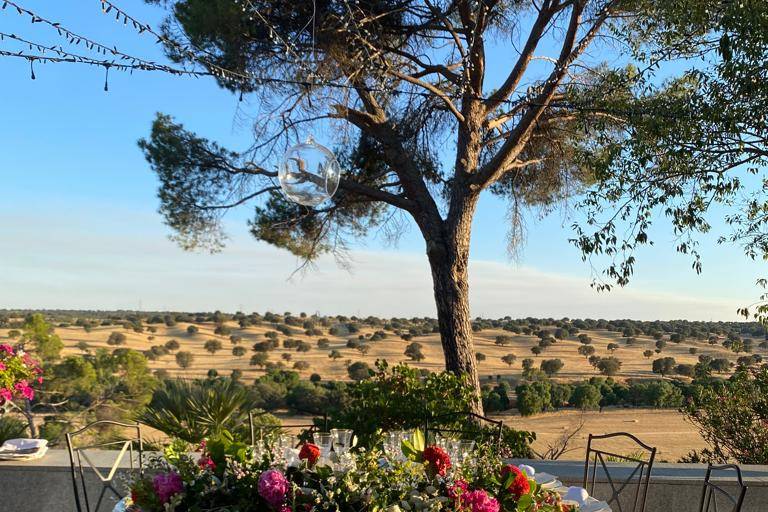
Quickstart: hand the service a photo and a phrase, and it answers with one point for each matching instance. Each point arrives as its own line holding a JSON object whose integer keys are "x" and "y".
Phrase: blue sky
{"x": 79, "y": 227}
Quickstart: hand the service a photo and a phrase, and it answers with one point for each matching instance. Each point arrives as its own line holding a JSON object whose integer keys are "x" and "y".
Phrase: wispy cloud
{"x": 86, "y": 266}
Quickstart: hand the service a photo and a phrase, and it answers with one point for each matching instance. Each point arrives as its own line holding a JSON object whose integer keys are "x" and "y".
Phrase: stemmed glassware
{"x": 324, "y": 441}
{"x": 465, "y": 449}
{"x": 342, "y": 440}
{"x": 459, "y": 450}
{"x": 393, "y": 443}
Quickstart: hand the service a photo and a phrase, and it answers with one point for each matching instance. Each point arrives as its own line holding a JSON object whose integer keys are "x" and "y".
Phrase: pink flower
{"x": 2, "y": 367}
{"x": 273, "y": 487}
{"x": 458, "y": 488}
{"x": 285, "y": 508}
{"x": 167, "y": 485}
{"x": 479, "y": 501}
{"x": 205, "y": 462}
{"x": 23, "y": 388}
{"x": 4, "y": 347}
{"x": 5, "y": 395}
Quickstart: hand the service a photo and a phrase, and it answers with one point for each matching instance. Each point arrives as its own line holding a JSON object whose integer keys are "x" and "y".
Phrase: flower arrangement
{"x": 19, "y": 372}
{"x": 233, "y": 477}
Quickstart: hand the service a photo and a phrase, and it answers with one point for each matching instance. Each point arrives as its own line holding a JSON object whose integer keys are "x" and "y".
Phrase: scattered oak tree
{"x": 213, "y": 346}
{"x": 184, "y": 359}
{"x": 509, "y": 359}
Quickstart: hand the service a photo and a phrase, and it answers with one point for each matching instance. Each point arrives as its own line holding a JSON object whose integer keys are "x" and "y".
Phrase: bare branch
{"x": 518, "y": 71}
{"x": 493, "y": 169}
{"x": 433, "y": 89}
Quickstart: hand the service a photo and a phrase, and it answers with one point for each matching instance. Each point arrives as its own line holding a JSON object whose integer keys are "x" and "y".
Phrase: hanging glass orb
{"x": 309, "y": 173}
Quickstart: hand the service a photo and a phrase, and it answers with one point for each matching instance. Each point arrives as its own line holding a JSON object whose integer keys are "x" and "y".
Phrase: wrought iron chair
{"x": 78, "y": 456}
{"x": 437, "y": 425}
{"x": 713, "y": 494}
{"x": 257, "y": 433}
{"x": 638, "y": 479}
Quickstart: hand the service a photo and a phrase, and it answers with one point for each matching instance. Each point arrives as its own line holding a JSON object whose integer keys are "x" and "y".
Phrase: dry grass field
{"x": 634, "y": 365}
{"x": 666, "y": 429}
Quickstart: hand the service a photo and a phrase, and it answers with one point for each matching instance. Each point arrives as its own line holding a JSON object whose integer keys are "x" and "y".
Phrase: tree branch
{"x": 518, "y": 71}
{"x": 433, "y": 89}
{"x": 519, "y": 136}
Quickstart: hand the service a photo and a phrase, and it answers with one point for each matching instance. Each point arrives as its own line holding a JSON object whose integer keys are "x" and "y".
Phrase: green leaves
{"x": 686, "y": 145}
{"x": 413, "y": 448}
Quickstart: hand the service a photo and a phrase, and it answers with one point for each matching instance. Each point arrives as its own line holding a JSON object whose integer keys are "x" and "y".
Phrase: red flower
{"x": 520, "y": 484}
{"x": 310, "y": 453}
{"x": 439, "y": 461}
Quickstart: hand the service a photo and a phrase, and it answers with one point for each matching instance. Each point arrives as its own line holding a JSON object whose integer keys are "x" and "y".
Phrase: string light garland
{"x": 76, "y": 39}
{"x": 213, "y": 69}
{"x": 127, "y": 62}
{"x": 67, "y": 56}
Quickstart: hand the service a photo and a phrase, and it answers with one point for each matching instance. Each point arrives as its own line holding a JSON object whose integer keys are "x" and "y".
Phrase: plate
{"x": 553, "y": 485}
{"x": 544, "y": 478}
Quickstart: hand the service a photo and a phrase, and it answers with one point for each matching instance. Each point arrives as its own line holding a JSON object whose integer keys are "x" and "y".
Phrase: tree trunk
{"x": 30, "y": 419}
{"x": 448, "y": 260}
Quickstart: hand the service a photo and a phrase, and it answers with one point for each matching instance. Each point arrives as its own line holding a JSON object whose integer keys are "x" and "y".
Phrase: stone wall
{"x": 46, "y": 485}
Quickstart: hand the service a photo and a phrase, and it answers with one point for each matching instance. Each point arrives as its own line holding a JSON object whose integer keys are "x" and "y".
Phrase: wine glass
{"x": 285, "y": 443}
{"x": 465, "y": 449}
{"x": 393, "y": 444}
{"x": 342, "y": 440}
{"x": 324, "y": 441}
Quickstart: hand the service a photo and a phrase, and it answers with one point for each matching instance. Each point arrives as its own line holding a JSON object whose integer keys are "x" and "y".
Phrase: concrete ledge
{"x": 45, "y": 485}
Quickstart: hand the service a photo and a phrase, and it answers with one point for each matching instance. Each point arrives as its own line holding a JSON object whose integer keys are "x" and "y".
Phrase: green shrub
{"x": 534, "y": 398}
{"x": 732, "y": 417}
{"x": 11, "y": 428}
{"x": 53, "y": 431}
{"x": 586, "y": 396}
{"x": 496, "y": 398}
{"x": 402, "y": 397}
{"x": 359, "y": 371}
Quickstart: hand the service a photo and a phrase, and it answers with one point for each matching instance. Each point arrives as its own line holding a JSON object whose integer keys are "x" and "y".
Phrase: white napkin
{"x": 529, "y": 471}
{"x": 14, "y": 445}
{"x": 577, "y": 494}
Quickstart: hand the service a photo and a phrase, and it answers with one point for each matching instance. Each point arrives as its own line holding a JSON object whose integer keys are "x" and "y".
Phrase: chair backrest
{"x": 257, "y": 432}
{"x": 443, "y": 424}
{"x": 80, "y": 461}
{"x": 713, "y": 495}
{"x": 622, "y": 498}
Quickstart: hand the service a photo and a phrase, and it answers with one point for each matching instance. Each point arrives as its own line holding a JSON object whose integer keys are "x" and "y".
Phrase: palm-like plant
{"x": 195, "y": 410}
{"x": 11, "y": 428}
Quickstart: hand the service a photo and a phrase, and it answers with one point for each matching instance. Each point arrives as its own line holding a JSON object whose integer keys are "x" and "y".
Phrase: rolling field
{"x": 576, "y": 367}
{"x": 666, "y": 429}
